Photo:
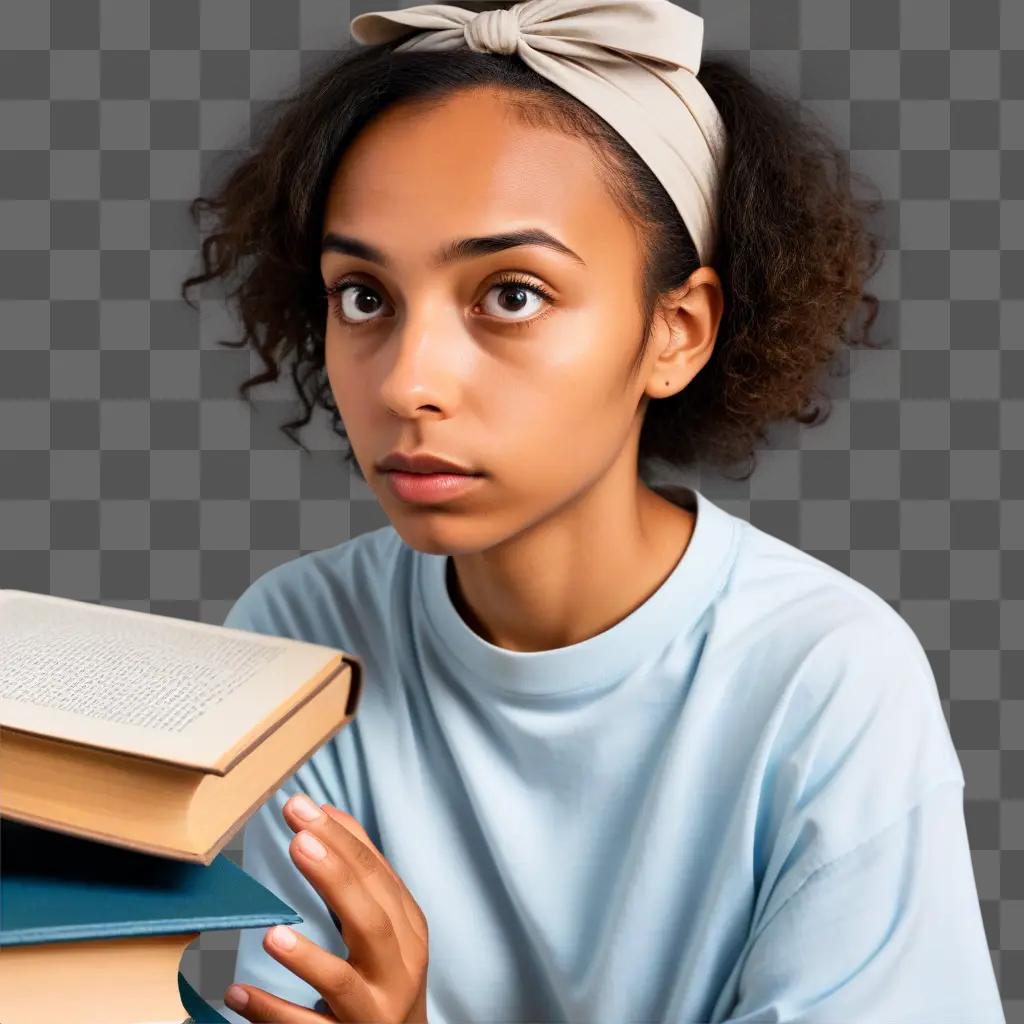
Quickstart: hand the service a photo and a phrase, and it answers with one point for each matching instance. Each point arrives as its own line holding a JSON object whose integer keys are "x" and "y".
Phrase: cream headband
{"x": 633, "y": 62}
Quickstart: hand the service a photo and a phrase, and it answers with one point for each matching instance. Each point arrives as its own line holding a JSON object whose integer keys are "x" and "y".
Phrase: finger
{"x": 352, "y": 886}
{"x": 396, "y": 898}
{"x": 263, "y": 1007}
{"x": 345, "y": 990}
{"x": 414, "y": 916}
{"x": 354, "y": 826}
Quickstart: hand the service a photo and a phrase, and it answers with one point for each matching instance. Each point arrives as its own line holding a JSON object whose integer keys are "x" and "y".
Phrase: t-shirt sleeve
{"x": 266, "y": 835}
{"x": 867, "y": 908}
{"x": 889, "y": 931}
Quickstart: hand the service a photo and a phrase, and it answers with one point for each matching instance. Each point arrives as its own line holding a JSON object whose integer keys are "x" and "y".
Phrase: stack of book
{"x": 133, "y": 746}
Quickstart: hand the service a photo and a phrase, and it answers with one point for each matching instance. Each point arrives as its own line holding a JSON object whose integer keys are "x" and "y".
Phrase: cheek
{"x": 353, "y": 401}
{"x": 341, "y": 376}
{"x": 582, "y": 382}
{"x": 564, "y": 384}
{"x": 562, "y": 417}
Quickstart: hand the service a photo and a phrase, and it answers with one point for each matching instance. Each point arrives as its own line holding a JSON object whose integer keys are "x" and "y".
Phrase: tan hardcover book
{"x": 154, "y": 733}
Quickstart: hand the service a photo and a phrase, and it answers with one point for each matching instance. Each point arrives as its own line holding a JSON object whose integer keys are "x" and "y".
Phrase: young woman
{"x": 621, "y": 756}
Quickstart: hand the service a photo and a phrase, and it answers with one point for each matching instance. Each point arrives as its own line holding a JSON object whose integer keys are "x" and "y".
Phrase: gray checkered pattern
{"x": 131, "y": 473}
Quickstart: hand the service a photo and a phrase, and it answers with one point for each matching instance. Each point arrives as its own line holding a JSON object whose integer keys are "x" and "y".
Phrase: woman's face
{"x": 452, "y": 359}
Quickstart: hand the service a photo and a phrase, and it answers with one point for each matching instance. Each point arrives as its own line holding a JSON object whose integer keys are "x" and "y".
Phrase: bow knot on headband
{"x": 633, "y": 62}
{"x": 494, "y": 31}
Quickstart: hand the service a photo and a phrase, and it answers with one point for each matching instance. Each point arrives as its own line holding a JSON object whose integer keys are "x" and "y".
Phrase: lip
{"x": 422, "y": 462}
{"x": 429, "y": 488}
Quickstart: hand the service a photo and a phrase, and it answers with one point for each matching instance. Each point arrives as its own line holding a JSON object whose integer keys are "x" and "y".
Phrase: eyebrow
{"x": 456, "y": 250}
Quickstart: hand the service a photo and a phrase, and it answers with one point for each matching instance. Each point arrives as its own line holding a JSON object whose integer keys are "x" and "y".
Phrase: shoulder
{"x": 319, "y": 591}
{"x": 847, "y": 729}
{"x": 792, "y": 585}
{"x": 793, "y": 614}
{"x": 341, "y": 597}
{"x": 834, "y": 667}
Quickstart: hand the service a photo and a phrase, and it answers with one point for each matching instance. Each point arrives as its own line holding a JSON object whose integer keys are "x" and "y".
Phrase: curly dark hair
{"x": 794, "y": 249}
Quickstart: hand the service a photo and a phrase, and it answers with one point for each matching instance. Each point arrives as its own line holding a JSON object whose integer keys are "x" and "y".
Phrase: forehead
{"x": 420, "y": 173}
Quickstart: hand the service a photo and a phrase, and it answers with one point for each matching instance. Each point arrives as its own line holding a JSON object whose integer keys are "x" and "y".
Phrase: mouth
{"x": 430, "y": 488}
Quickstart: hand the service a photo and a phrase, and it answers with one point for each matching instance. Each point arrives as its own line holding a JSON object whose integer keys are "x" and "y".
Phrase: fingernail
{"x": 281, "y": 935}
{"x": 305, "y": 808}
{"x": 236, "y": 997}
{"x": 310, "y": 845}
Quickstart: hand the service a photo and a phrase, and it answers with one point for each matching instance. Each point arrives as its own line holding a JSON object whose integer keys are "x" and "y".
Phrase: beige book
{"x": 151, "y": 732}
{"x": 123, "y": 980}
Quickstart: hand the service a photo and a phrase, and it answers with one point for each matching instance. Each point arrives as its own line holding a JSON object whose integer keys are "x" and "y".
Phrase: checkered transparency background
{"x": 132, "y": 474}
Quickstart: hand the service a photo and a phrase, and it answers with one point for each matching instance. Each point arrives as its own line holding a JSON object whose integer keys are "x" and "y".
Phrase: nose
{"x": 423, "y": 365}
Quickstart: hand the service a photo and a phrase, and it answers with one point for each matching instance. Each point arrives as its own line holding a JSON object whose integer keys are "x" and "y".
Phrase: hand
{"x": 384, "y": 980}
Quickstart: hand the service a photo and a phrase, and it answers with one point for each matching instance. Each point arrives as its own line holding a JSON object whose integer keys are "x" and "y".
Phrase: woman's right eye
{"x": 350, "y": 303}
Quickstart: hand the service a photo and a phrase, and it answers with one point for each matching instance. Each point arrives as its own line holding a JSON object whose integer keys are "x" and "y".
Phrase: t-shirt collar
{"x": 671, "y": 610}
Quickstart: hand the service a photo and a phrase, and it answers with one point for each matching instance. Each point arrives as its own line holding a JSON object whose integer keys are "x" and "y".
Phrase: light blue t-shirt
{"x": 739, "y": 803}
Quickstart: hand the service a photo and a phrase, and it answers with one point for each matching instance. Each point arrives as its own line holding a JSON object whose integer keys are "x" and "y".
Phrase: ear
{"x": 683, "y": 332}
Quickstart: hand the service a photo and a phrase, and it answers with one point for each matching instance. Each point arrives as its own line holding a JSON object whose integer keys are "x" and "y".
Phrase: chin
{"x": 437, "y": 531}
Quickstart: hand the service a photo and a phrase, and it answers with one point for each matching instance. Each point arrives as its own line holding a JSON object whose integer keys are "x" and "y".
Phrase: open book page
{"x": 147, "y": 684}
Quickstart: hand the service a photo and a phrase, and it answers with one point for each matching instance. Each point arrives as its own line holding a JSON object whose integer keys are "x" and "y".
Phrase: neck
{"x": 575, "y": 574}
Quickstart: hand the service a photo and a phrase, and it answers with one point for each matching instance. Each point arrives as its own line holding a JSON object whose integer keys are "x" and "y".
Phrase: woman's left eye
{"x": 513, "y": 296}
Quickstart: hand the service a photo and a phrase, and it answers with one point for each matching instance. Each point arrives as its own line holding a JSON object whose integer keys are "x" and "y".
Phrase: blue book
{"x": 91, "y": 932}
{"x": 199, "y": 1010}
